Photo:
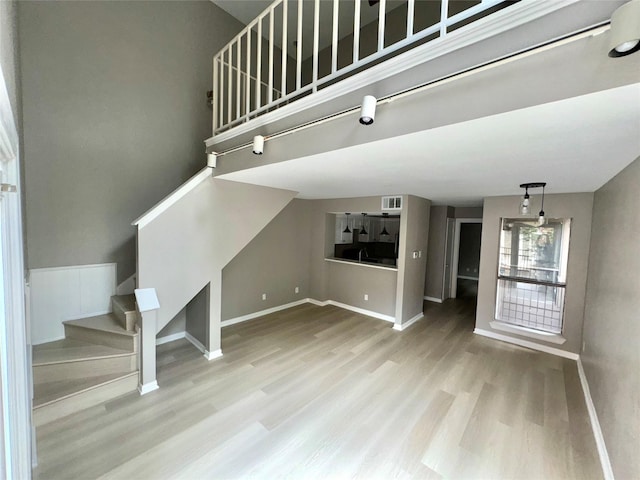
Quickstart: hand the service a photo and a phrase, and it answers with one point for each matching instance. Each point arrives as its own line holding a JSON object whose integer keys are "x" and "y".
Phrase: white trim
{"x": 195, "y": 342}
{"x": 595, "y": 425}
{"x": 393, "y": 268}
{"x": 251, "y": 316}
{"x": 456, "y": 252}
{"x": 527, "y": 344}
{"x": 212, "y": 355}
{"x": 465, "y": 277}
{"x": 148, "y": 387}
{"x": 433, "y": 299}
{"x": 75, "y": 267}
{"x": 369, "y": 313}
{"x": 404, "y": 326}
{"x": 173, "y": 198}
{"x": 317, "y": 302}
{"x": 528, "y": 332}
{"x": 477, "y": 31}
{"x": 170, "y": 338}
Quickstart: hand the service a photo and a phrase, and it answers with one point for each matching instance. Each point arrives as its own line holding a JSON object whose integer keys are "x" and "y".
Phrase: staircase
{"x": 96, "y": 361}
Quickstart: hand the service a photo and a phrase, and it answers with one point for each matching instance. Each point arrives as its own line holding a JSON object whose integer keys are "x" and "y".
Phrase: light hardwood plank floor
{"x": 320, "y": 392}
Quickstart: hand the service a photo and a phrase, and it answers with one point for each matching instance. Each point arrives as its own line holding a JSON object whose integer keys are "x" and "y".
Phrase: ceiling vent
{"x": 392, "y": 203}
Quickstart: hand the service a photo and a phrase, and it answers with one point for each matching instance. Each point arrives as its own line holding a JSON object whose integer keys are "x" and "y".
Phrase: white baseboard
{"x": 148, "y": 387}
{"x": 433, "y": 299}
{"x": 212, "y": 355}
{"x": 170, "y": 338}
{"x": 605, "y": 462}
{"x": 369, "y": 313}
{"x": 251, "y": 316}
{"x": 317, "y": 302}
{"x": 404, "y": 326}
{"x": 527, "y": 344}
{"x": 195, "y": 342}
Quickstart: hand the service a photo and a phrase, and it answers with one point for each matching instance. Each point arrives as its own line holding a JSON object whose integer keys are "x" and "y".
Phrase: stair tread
{"x": 127, "y": 302}
{"x": 46, "y": 393}
{"x": 71, "y": 350}
{"x": 105, "y": 323}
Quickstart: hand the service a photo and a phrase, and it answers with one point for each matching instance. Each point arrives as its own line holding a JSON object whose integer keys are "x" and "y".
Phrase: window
{"x": 532, "y": 271}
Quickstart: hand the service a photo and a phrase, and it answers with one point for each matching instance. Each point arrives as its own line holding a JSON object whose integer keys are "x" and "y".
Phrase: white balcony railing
{"x": 257, "y": 71}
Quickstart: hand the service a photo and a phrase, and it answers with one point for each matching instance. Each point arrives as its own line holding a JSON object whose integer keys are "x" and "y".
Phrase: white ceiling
{"x": 575, "y": 145}
{"x": 247, "y": 10}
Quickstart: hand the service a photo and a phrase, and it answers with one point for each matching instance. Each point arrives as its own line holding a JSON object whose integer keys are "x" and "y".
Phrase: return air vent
{"x": 392, "y": 203}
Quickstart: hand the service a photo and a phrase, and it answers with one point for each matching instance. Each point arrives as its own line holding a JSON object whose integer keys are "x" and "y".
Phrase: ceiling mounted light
{"x": 384, "y": 227}
{"x": 624, "y": 35}
{"x": 525, "y": 204}
{"x": 363, "y": 231}
{"x": 258, "y": 144}
{"x": 368, "y": 110}
{"x": 347, "y": 230}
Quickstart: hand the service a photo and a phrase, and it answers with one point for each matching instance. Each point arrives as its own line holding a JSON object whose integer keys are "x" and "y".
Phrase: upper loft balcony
{"x": 301, "y": 60}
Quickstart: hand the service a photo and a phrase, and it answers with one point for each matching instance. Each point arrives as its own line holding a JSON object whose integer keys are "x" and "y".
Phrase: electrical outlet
{"x": 264, "y": 296}
{"x": 415, "y": 254}
{"x": 419, "y": 253}
{"x": 366, "y": 297}
{"x": 297, "y": 290}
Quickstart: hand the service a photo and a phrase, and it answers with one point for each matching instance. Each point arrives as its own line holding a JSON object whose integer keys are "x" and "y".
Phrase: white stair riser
{"x": 92, "y": 367}
{"x": 84, "y": 399}
{"x": 124, "y": 342}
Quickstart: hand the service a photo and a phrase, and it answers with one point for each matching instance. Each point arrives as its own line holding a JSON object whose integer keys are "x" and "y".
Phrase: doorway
{"x": 465, "y": 252}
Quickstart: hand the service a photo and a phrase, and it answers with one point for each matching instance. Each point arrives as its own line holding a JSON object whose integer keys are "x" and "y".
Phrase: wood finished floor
{"x": 320, "y": 392}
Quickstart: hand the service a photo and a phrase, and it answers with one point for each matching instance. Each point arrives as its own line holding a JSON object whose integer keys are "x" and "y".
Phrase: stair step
{"x": 73, "y": 359}
{"x": 54, "y": 400}
{"x": 103, "y": 330}
{"x": 124, "y": 307}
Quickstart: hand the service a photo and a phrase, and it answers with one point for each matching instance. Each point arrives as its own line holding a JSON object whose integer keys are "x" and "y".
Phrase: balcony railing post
{"x": 230, "y": 81}
{"x": 356, "y": 31}
{"x": 270, "y": 80}
{"x": 247, "y": 108}
{"x": 411, "y": 11}
{"x": 299, "y": 48}
{"x": 285, "y": 18}
{"x": 334, "y": 38}
{"x": 215, "y": 99}
{"x": 238, "y": 76}
{"x": 444, "y": 13}
{"x": 259, "y": 66}
{"x": 316, "y": 42}
{"x": 381, "y": 23}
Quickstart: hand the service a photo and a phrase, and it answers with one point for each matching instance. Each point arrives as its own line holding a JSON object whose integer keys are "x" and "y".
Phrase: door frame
{"x": 15, "y": 352}
{"x": 456, "y": 252}
{"x": 448, "y": 258}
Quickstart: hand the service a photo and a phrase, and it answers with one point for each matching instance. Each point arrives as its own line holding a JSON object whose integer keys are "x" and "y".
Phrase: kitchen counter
{"x": 362, "y": 264}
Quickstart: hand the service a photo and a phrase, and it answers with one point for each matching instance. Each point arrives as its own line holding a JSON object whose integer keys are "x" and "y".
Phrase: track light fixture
{"x": 258, "y": 144}
{"x": 212, "y": 158}
{"x": 525, "y": 204}
{"x": 624, "y": 35}
{"x": 368, "y": 110}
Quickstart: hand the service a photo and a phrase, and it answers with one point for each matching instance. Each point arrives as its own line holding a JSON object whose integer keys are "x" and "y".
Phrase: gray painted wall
{"x": 114, "y": 118}
{"x": 611, "y": 357}
{"x": 469, "y": 255}
{"x": 468, "y": 212}
{"x": 576, "y": 206}
{"x": 414, "y": 227}
{"x": 436, "y": 250}
{"x": 274, "y": 262}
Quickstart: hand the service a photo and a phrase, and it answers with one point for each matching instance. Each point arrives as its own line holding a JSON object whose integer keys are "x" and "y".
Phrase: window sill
{"x": 528, "y": 332}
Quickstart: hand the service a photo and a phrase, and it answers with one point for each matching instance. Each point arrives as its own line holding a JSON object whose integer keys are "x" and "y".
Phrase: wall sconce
{"x": 525, "y": 203}
{"x": 368, "y": 110}
{"x": 212, "y": 159}
{"x": 624, "y": 35}
{"x": 258, "y": 144}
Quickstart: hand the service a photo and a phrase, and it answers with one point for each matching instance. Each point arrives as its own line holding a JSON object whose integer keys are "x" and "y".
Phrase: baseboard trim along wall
{"x": 595, "y": 425}
{"x": 406, "y": 325}
{"x": 212, "y": 355}
{"x": 433, "y": 299}
{"x": 368, "y": 313}
{"x": 527, "y": 344}
{"x": 261, "y": 313}
{"x": 170, "y": 338}
{"x": 147, "y": 387}
{"x": 195, "y": 342}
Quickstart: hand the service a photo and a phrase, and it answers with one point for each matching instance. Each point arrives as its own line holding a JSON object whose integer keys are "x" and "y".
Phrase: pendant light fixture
{"x": 525, "y": 204}
{"x": 347, "y": 230}
{"x": 363, "y": 230}
{"x": 384, "y": 226}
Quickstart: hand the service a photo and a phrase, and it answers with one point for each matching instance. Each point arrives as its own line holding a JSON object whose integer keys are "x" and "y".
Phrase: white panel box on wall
{"x": 67, "y": 293}
{"x": 392, "y": 203}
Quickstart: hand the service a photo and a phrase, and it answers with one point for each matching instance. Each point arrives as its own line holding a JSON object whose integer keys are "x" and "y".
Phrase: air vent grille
{"x": 392, "y": 203}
